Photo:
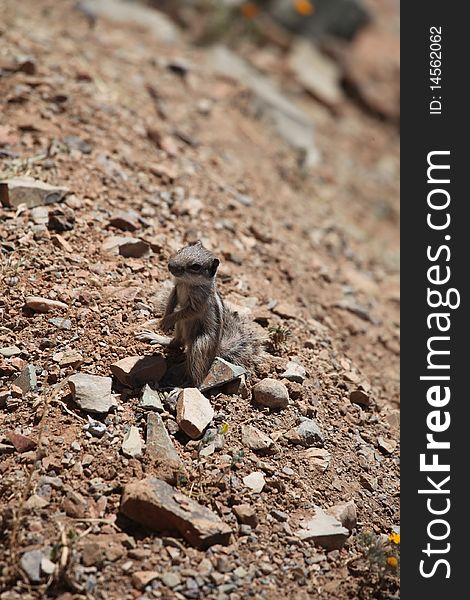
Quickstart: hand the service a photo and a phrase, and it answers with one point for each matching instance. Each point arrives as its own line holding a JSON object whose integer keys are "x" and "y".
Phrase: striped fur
{"x": 202, "y": 324}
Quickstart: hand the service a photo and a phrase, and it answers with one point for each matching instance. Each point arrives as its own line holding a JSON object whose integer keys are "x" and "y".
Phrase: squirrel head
{"x": 194, "y": 264}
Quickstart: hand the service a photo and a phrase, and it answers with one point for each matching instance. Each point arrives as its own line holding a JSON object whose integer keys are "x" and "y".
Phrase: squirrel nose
{"x": 175, "y": 269}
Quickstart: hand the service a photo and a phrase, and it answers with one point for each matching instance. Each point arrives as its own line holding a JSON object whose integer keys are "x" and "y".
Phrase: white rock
{"x": 255, "y": 481}
{"x": 324, "y": 530}
{"x": 132, "y": 443}
{"x": 294, "y": 372}
{"x": 92, "y": 393}
{"x": 193, "y": 412}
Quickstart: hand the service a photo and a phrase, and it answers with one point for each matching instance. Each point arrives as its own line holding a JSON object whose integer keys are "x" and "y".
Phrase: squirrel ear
{"x": 214, "y": 265}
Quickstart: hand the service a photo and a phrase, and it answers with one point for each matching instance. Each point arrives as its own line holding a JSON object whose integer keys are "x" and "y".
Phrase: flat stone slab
{"x": 92, "y": 393}
{"x": 29, "y": 191}
{"x": 324, "y": 530}
{"x": 220, "y": 373}
{"x": 160, "y": 448}
{"x": 160, "y": 507}
{"x": 135, "y": 371}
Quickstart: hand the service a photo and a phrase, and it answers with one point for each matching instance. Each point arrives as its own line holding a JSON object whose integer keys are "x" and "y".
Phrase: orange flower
{"x": 304, "y": 7}
{"x": 394, "y": 537}
{"x": 392, "y": 561}
{"x": 249, "y": 10}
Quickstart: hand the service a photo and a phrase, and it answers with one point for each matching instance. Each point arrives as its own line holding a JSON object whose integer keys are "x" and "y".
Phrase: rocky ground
{"x": 285, "y": 484}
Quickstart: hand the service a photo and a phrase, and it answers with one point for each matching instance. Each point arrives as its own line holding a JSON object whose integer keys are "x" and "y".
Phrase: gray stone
{"x": 95, "y": 428}
{"x": 132, "y": 444}
{"x": 158, "y": 506}
{"x": 271, "y": 393}
{"x": 170, "y": 579}
{"x": 193, "y": 412}
{"x": 27, "y": 380}
{"x": 160, "y": 448}
{"x": 324, "y": 530}
{"x": 120, "y": 11}
{"x": 294, "y": 372}
{"x": 345, "y": 513}
{"x": 141, "y": 579}
{"x": 92, "y": 393}
{"x": 47, "y": 566}
{"x": 61, "y": 323}
{"x": 255, "y": 481}
{"x": 32, "y": 192}
{"x": 10, "y": 351}
{"x": 256, "y": 440}
{"x": 150, "y": 399}
{"x": 310, "y": 433}
{"x": 31, "y": 564}
{"x": 291, "y": 122}
{"x": 220, "y": 373}
{"x": 316, "y": 72}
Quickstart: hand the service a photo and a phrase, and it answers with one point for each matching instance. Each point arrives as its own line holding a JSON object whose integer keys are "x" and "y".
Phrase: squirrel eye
{"x": 196, "y": 267}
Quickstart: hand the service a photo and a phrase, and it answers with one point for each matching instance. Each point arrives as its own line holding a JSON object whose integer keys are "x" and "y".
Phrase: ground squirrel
{"x": 202, "y": 324}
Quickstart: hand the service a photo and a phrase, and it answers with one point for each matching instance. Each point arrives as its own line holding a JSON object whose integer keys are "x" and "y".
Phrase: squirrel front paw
{"x": 167, "y": 324}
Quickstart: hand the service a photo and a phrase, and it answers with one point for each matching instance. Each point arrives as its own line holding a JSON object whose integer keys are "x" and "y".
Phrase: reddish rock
{"x": 158, "y": 506}
{"x": 22, "y": 443}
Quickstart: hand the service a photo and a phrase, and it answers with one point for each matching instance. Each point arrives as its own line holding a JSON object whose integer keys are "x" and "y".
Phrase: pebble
{"x": 135, "y": 371}
{"x": 279, "y": 515}
{"x": 150, "y": 399}
{"x": 160, "y": 507}
{"x": 10, "y": 351}
{"x": 27, "y": 380}
{"x": 345, "y": 513}
{"x": 44, "y": 305}
{"x": 170, "y": 579}
{"x": 359, "y": 397}
{"x": 132, "y": 443}
{"x": 317, "y": 457}
{"x": 255, "y": 481}
{"x": 324, "y": 530}
{"x": 92, "y": 393}
{"x": 141, "y": 579}
{"x": 256, "y": 440}
{"x": 126, "y": 221}
{"x": 294, "y": 372}
{"x": 95, "y": 428}
{"x": 61, "y": 323}
{"x": 386, "y": 446}
{"x": 22, "y": 443}
{"x": 310, "y": 433}
{"x": 245, "y": 515}
{"x": 160, "y": 448}
{"x": 128, "y": 247}
{"x": 271, "y": 393}
{"x": 29, "y": 191}
{"x": 220, "y": 373}
{"x": 31, "y": 564}
{"x": 193, "y": 412}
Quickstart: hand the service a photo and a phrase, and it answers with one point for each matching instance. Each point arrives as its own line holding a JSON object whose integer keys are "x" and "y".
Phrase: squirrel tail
{"x": 242, "y": 343}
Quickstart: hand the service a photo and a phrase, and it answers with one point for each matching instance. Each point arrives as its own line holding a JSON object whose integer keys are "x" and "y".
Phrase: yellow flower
{"x": 392, "y": 561}
{"x": 304, "y": 7}
{"x": 394, "y": 537}
{"x": 223, "y": 428}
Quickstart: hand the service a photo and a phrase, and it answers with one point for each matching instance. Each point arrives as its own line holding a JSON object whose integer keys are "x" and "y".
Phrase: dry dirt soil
{"x": 312, "y": 255}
